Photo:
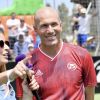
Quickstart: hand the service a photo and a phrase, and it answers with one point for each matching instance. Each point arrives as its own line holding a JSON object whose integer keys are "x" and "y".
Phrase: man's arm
{"x": 89, "y": 93}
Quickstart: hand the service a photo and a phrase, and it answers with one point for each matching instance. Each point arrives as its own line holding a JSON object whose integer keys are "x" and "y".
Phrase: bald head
{"x": 48, "y": 11}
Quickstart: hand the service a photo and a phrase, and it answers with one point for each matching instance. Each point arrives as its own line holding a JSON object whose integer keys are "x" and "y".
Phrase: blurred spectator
{"x": 78, "y": 8}
{"x": 23, "y": 27}
{"x": 2, "y": 36}
{"x": 28, "y": 37}
{"x": 84, "y": 27}
{"x": 1, "y": 27}
{"x": 91, "y": 43}
{"x": 1, "y": 31}
{"x": 21, "y": 46}
{"x": 12, "y": 22}
{"x": 31, "y": 47}
{"x": 38, "y": 41}
{"x": 75, "y": 23}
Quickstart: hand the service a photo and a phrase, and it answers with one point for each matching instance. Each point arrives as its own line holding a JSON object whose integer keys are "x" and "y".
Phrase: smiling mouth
{"x": 5, "y": 56}
{"x": 51, "y": 37}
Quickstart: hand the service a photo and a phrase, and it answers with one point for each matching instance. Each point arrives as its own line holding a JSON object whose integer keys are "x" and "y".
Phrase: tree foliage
{"x": 22, "y": 7}
{"x": 63, "y": 12}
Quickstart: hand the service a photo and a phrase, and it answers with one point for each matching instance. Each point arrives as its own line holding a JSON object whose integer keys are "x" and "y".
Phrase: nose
{"x": 6, "y": 47}
{"x": 50, "y": 28}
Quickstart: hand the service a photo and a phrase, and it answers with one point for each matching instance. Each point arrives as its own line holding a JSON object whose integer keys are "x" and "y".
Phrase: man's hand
{"x": 33, "y": 83}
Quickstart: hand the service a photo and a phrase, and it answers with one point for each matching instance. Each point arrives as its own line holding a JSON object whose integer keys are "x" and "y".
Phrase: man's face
{"x": 49, "y": 28}
{"x": 3, "y": 53}
{"x": 21, "y": 39}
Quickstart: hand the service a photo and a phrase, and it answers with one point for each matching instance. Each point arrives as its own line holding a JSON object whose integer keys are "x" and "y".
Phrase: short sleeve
{"x": 89, "y": 74}
{"x": 19, "y": 90}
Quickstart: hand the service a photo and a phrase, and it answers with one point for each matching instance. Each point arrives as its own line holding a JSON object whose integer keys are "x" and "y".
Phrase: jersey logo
{"x": 38, "y": 73}
{"x": 72, "y": 66}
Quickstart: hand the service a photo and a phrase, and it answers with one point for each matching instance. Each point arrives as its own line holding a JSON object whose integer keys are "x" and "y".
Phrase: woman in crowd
{"x": 6, "y": 90}
{"x": 20, "y": 70}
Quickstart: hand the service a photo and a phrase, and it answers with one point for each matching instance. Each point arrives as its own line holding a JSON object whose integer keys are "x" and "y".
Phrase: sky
{"x": 55, "y": 3}
{"x": 5, "y": 3}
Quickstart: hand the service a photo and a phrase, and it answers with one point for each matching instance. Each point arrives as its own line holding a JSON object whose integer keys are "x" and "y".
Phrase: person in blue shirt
{"x": 21, "y": 46}
{"x": 38, "y": 41}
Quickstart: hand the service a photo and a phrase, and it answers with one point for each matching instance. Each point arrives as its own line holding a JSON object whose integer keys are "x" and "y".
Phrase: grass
{"x": 97, "y": 96}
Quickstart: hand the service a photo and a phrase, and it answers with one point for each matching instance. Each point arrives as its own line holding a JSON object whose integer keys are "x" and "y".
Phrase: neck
{"x": 2, "y": 68}
{"x": 51, "y": 50}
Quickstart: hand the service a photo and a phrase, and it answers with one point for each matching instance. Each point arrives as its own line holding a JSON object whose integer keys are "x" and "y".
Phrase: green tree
{"x": 63, "y": 13}
{"x": 23, "y": 7}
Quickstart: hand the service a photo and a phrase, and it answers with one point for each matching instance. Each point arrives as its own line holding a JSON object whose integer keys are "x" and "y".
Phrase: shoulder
{"x": 73, "y": 46}
{"x": 77, "y": 50}
{"x": 16, "y": 43}
{"x": 35, "y": 51}
{"x": 35, "y": 55}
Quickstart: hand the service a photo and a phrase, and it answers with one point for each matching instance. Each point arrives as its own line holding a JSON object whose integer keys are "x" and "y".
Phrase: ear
{"x": 61, "y": 25}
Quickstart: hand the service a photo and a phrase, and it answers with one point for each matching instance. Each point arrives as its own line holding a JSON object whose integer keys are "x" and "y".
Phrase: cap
{"x": 90, "y": 38}
{"x": 31, "y": 45}
{"x": 83, "y": 10}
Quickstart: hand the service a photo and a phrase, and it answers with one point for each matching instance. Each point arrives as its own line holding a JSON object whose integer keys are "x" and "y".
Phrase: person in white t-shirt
{"x": 12, "y": 33}
{"x": 84, "y": 27}
{"x": 23, "y": 27}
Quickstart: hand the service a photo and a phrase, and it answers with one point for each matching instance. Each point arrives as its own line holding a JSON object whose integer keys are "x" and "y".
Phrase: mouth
{"x": 51, "y": 37}
{"x": 5, "y": 56}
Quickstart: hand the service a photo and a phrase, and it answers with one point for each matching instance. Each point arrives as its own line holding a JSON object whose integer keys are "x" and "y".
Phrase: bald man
{"x": 63, "y": 71}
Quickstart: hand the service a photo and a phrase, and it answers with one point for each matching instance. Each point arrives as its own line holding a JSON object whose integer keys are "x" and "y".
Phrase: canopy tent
{"x": 22, "y": 7}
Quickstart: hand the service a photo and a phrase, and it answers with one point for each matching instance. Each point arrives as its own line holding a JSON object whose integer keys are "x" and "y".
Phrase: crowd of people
{"x": 19, "y": 35}
{"x": 57, "y": 70}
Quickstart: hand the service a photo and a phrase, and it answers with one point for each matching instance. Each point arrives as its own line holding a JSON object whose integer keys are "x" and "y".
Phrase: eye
{"x": 1, "y": 43}
{"x": 54, "y": 24}
{"x": 43, "y": 26}
{"x": 7, "y": 43}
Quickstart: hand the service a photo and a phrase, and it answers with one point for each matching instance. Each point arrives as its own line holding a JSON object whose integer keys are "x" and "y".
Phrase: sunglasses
{"x": 2, "y": 43}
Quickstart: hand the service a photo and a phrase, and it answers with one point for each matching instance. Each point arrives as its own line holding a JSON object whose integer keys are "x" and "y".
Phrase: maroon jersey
{"x": 64, "y": 76}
